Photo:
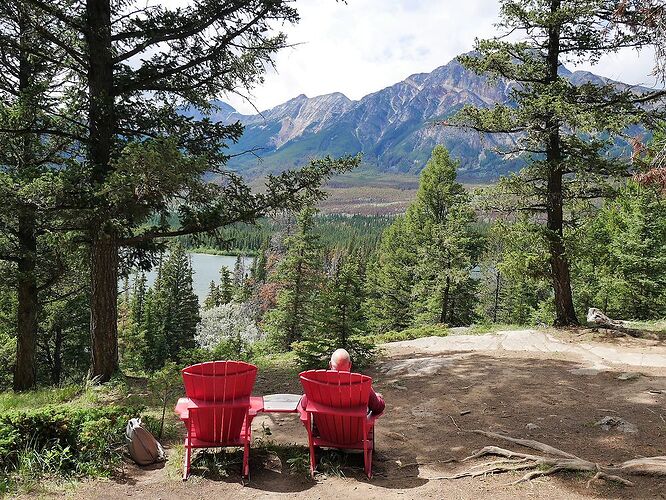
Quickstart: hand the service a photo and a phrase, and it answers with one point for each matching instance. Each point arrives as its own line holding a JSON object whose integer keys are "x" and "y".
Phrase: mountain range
{"x": 395, "y": 128}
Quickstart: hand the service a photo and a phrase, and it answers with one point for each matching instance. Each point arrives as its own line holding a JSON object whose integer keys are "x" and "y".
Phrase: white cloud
{"x": 366, "y": 45}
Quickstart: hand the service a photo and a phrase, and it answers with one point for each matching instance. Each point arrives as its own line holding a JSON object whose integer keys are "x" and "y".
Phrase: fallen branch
{"x": 554, "y": 461}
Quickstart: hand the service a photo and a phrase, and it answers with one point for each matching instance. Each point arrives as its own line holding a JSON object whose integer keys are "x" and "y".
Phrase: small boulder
{"x": 531, "y": 426}
{"x": 629, "y": 376}
{"x": 609, "y": 422}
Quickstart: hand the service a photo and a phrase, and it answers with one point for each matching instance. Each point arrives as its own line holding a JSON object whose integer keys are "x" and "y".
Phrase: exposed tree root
{"x": 553, "y": 461}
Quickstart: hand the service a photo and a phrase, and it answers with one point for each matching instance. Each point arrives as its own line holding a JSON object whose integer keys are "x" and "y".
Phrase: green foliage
{"x": 416, "y": 332}
{"x": 7, "y": 358}
{"x": 514, "y": 279}
{"x": 336, "y": 232}
{"x": 165, "y": 384}
{"x": 171, "y": 311}
{"x": 61, "y": 439}
{"x": 390, "y": 280}
{"x": 299, "y": 276}
{"x": 423, "y": 270}
{"x": 621, "y": 264}
{"x": 340, "y": 319}
{"x": 565, "y": 129}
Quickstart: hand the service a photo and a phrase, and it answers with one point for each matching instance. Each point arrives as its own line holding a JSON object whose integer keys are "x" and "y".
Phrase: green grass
{"x": 35, "y": 399}
{"x": 483, "y": 328}
{"x": 656, "y": 326}
{"x": 411, "y": 334}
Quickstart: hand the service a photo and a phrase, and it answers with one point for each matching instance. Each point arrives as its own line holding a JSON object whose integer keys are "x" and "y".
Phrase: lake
{"x": 206, "y": 269}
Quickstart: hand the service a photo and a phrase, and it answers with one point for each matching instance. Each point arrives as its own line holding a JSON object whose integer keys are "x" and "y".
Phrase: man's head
{"x": 340, "y": 361}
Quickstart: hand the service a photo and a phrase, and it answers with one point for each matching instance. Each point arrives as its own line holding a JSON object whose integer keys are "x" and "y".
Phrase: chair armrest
{"x": 256, "y": 405}
{"x": 357, "y": 411}
{"x": 183, "y": 408}
{"x": 302, "y": 412}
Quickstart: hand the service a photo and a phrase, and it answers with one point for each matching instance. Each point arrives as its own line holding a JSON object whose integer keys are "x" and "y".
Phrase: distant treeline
{"x": 335, "y": 232}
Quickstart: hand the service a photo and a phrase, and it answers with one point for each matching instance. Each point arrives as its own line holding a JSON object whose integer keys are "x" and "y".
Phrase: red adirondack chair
{"x": 336, "y": 415}
{"x": 218, "y": 409}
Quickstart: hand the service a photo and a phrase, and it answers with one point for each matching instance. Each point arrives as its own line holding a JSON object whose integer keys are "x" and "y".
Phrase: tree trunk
{"x": 445, "y": 301}
{"x": 25, "y": 372}
{"x": 56, "y": 370}
{"x": 104, "y": 250}
{"x": 104, "y": 308}
{"x": 559, "y": 264}
{"x": 498, "y": 278}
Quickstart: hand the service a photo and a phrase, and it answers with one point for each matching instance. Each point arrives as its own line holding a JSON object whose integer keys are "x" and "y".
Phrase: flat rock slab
{"x": 595, "y": 356}
{"x": 418, "y": 367}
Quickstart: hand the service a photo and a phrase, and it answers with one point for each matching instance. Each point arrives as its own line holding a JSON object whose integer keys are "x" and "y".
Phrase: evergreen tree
{"x": 132, "y": 344}
{"x": 391, "y": 279}
{"x": 131, "y": 70}
{"x": 299, "y": 275}
{"x": 340, "y": 322}
{"x": 36, "y": 141}
{"x": 171, "y": 311}
{"x": 622, "y": 256}
{"x": 565, "y": 129}
{"x": 440, "y": 221}
{"x": 259, "y": 271}
{"x": 226, "y": 287}
{"x": 213, "y": 297}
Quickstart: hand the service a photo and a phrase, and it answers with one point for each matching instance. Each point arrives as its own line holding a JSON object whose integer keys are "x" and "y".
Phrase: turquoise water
{"x": 206, "y": 269}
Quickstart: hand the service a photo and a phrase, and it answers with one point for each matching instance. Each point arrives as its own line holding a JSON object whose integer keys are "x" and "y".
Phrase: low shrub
{"x": 416, "y": 332}
{"x": 316, "y": 352}
{"x": 63, "y": 440}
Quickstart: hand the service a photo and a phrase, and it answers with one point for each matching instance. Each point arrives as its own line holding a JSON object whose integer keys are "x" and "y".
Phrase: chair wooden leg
{"x": 187, "y": 461}
{"x": 246, "y": 460}
{"x": 312, "y": 448}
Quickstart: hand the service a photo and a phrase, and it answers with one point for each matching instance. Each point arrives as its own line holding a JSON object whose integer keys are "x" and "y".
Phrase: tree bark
{"x": 104, "y": 308}
{"x": 445, "y": 301}
{"x": 25, "y": 372}
{"x": 104, "y": 250}
{"x": 559, "y": 264}
{"x": 56, "y": 370}
{"x": 498, "y": 278}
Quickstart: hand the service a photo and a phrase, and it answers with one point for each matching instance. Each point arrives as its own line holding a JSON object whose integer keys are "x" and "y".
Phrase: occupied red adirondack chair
{"x": 218, "y": 409}
{"x": 336, "y": 415}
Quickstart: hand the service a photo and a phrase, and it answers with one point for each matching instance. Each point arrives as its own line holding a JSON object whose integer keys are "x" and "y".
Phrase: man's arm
{"x": 376, "y": 403}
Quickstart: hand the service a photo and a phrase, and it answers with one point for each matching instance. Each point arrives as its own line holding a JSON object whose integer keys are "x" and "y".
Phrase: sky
{"x": 366, "y": 45}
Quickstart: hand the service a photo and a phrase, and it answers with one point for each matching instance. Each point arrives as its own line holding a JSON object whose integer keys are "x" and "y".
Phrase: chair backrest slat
{"x": 219, "y": 382}
{"x": 337, "y": 390}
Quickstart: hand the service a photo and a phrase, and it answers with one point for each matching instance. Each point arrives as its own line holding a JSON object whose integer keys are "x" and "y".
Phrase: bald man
{"x": 341, "y": 362}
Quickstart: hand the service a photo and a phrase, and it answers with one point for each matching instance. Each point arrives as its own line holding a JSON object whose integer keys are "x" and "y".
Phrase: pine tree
{"x": 213, "y": 297}
{"x": 299, "y": 276}
{"x": 171, "y": 311}
{"x": 130, "y": 70}
{"x": 226, "y": 287}
{"x": 182, "y": 304}
{"x": 391, "y": 279}
{"x": 259, "y": 271}
{"x": 566, "y": 130}
{"x": 340, "y": 322}
{"x": 132, "y": 343}
{"x": 440, "y": 221}
{"x": 622, "y": 256}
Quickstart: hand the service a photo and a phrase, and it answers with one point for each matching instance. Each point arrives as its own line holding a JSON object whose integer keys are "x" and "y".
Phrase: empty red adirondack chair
{"x": 218, "y": 409}
{"x": 336, "y": 415}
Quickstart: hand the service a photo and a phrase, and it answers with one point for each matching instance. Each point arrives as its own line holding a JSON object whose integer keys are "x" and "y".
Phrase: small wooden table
{"x": 281, "y": 403}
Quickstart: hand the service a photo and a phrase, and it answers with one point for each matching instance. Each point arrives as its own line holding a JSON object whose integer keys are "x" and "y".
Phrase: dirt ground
{"x": 433, "y": 396}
